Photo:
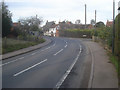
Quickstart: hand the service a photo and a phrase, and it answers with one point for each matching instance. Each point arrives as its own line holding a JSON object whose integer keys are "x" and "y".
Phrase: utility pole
{"x": 95, "y": 16}
{"x": 113, "y": 36}
{"x": 95, "y": 23}
{"x": 85, "y": 16}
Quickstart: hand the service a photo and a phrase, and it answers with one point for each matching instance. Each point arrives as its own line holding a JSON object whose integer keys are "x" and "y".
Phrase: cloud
{"x": 62, "y": 9}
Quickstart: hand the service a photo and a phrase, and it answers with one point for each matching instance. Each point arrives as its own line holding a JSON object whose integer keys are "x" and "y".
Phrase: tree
{"x": 92, "y": 22}
{"x": 30, "y": 23}
{"x": 6, "y": 20}
{"x": 100, "y": 24}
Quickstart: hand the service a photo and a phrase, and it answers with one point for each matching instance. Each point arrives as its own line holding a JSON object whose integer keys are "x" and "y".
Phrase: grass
{"x": 11, "y": 45}
{"x": 114, "y": 60}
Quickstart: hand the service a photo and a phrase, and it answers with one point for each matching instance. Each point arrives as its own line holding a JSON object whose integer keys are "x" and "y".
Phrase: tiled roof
{"x": 109, "y": 23}
{"x": 15, "y": 24}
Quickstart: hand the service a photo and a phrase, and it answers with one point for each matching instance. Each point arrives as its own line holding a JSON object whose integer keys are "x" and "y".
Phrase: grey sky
{"x": 59, "y": 10}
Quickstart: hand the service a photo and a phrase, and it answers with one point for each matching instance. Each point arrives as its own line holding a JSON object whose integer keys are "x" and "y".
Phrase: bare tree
{"x": 31, "y": 23}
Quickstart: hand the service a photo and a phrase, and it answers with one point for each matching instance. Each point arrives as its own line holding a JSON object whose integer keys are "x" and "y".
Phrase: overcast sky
{"x": 59, "y": 10}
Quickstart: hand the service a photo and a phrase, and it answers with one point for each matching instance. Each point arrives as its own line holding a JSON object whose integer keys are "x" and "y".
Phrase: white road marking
{"x": 29, "y": 68}
{"x": 24, "y": 57}
{"x": 65, "y": 46}
{"x": 54, "y": 44}
{"x": 49, "y": 47}
{"x": 33, "y": 53}
{"x": 21, "y": 58}
{"x": 43, "y": 50}
{"x": 58, "y": 52}
{"x": 8, "y": 62}
{"x": 11, "y": 61}
{"x": 68, "y": 71}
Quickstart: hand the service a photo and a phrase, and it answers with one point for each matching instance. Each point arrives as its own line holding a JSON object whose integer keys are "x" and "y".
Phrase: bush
{"x": 105, "y": 34}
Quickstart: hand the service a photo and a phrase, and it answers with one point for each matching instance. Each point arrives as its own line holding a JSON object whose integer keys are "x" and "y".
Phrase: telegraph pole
{"x": 113, "y": 36}
{"x": 95, "y": 16}
{"x": 85, "y": 16}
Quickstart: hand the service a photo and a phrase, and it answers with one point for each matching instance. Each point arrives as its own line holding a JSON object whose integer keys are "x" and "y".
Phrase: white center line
{"x": 11, "y": 61}
{"x": 33, "y": 53}
{"x": 24, "y": 57}
{"x": 49, "y": 47}
{"x": 54, "y": 45}
{"x": 21, "y": 58}
{"x": 65, "y": 46}
{"x": 58, "y": 52}
{"x": 8, "y": 62}
{"x": 29, "y": 68}
{"x": 68, "y": 71}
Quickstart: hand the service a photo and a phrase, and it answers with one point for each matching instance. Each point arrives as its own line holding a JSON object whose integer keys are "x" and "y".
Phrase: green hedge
{"x": 117, "y": 35}
{"x": 105, "y": 34}
{"x": 76, "y": 33}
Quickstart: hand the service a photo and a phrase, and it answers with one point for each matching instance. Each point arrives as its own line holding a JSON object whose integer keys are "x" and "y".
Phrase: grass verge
{"x": 115, "y": 61}
{"x": 18, "y": 44}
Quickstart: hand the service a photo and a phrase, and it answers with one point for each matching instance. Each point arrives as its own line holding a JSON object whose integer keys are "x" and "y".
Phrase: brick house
{"x": 109, "y": 23}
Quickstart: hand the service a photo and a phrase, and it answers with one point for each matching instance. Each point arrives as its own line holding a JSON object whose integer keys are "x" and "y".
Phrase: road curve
{"x": 47, "y": 67}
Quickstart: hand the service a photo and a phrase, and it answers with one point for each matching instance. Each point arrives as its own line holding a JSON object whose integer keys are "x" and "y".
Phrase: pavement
{"x": 25, "y": 50}
{"x": 90, "y": 69}
{"x": 103, "y": 73}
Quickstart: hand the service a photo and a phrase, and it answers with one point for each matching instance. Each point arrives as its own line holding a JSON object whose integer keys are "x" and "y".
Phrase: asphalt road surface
{"x": 59, "y": 64}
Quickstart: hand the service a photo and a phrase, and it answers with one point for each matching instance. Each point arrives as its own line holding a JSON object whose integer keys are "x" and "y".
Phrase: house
{"x": 109, "y": 23}
{"x": 68, "y": 25}
{"x": 51, "y": 29}
{"x": 15, "y": 25}
{"x": 54, "y": 30}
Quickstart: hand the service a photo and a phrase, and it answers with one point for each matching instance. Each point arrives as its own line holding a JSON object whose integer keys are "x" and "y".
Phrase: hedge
{"x": 117, "y": 35}
{"x": 76, "y": 33}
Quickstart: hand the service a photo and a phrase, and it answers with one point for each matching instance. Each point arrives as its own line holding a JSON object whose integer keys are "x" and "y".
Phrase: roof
{"x": 109, "y": 23}
{"x": 48, "y": 25}
{"x": 53, "y": 26}
{"x": 15, "y": 24}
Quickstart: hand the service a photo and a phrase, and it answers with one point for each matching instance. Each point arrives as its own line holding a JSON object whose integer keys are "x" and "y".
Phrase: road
{"x": 59, "y": 64}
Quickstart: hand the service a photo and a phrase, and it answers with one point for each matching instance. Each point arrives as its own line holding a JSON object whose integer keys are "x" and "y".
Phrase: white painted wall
{"x": 48, "y": 33}
{"x": 52, "y": 30}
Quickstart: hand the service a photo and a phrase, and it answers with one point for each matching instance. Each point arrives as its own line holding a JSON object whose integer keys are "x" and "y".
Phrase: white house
{"x": 52, "y": 31}
{"x": 119, "y": 7}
